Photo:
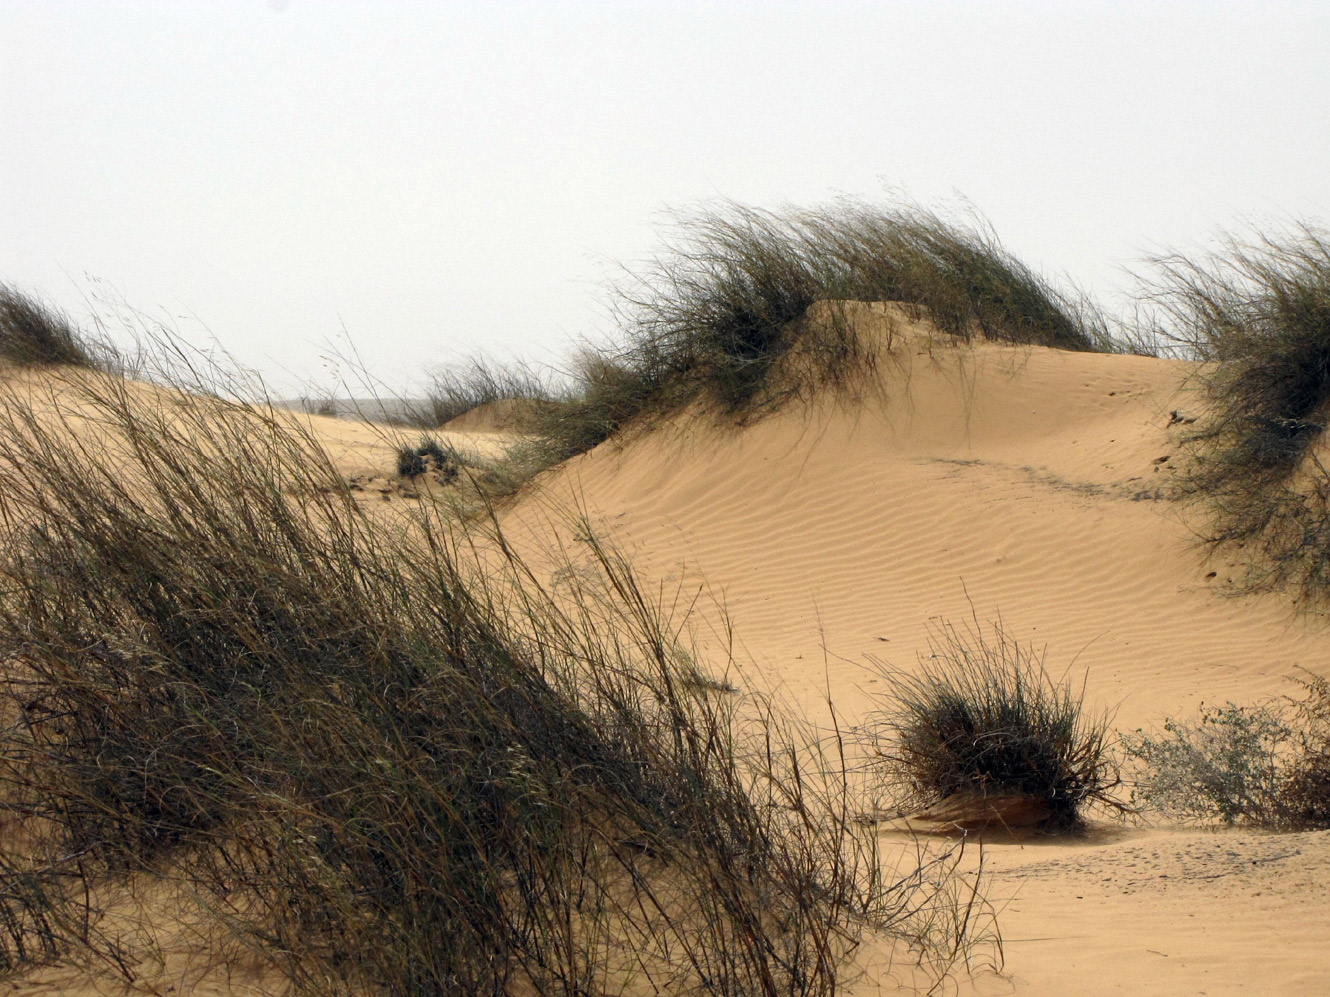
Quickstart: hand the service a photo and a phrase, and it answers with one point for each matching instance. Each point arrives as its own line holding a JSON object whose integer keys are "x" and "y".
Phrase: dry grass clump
{"x": 1259, "y": 312}
{"x": 957, "y": 274}
{"x": 983, "y": 734}
{"x": 429, "y": 454}
{"x": 33, "y": 334}
{"x": 377, "y": 751}
{"x": 478, "y": 380}
{"x": 722, "y": 313}
{"x": 1266, "y": 765}
{"x": 721, "y": 305}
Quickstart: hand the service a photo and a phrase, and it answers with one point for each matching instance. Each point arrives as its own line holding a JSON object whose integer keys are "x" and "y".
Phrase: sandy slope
{"x": 1026, "y": 483}
{"x": 1033, "y": 485}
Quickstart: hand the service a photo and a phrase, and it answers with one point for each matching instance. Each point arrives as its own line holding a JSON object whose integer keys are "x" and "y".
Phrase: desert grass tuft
{"x": 722, "y": 304}
{"x": 721, "y": 315}
{"x": 32, "y": 333}
{"x": 457, "y": 389}
{"x": 1258, "y": 312}
{"x": 982, "y": 732}
{"x": 376, "y": 748}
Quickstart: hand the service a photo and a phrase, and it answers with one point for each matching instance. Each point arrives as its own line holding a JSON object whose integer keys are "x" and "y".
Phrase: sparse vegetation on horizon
{"x": 1258, "y": 312}
{"x": 32, "y": 333}
{"x": 377, "y": 752}
{"x": 982, "y": 734}
{"x": 1266, "y": 765}
{"x": 457, "y": 389}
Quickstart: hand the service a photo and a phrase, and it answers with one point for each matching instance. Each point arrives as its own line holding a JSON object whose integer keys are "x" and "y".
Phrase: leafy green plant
{"x": 1266, "y": 765}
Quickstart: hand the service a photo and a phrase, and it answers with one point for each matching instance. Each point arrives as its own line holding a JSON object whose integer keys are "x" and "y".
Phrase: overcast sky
{"x": 436, "y": 178}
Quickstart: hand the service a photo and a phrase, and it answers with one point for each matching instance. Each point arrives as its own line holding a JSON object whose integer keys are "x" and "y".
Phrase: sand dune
{"x": 1026, "y": 484}
{"x": 1032, "y": 485}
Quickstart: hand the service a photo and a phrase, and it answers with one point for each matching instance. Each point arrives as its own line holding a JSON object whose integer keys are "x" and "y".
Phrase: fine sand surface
{"x": 1022, "y": 483}
{"x": 984, "y": 482}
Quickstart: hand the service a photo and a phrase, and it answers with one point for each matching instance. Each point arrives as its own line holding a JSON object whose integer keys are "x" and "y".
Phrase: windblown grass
{"x": 458, "y": 389}
{"x": 1258, "y": 312}
{"x": 378, "y": 751}
{"x": 33, "y": 334}
{"x": 983, "y": 734}
{"x": 722, "y": 314}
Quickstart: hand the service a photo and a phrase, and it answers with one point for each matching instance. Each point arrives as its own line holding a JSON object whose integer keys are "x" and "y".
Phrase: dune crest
{"x": 1026, "y": 483}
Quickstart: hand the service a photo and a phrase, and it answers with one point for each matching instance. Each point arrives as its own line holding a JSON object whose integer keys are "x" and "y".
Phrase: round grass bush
{"x": 981, "y": 733}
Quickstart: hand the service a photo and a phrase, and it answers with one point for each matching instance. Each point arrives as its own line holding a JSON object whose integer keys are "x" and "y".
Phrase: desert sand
{"x": 980, "y": 481}
{"x": 1026, "y": 484}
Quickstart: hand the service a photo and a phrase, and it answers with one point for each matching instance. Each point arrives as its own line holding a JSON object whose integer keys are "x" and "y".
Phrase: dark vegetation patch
{"x": 33, "y": 334}
{"x": 429, "y": 456}
{"x": 1266, "y": 765}
{"x": 1258, "y": 312}
{"x": 983, "y": 734}
{"x": 371, "y": 763}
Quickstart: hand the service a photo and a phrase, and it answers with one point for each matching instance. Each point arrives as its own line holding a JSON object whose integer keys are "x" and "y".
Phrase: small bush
{"x": 1258, "y": 312}
{"x": 1266, "y": 765}
{"x": 31, "y": 333}
{"x": 984, "y": 721}
{"x": 429, "y": 455}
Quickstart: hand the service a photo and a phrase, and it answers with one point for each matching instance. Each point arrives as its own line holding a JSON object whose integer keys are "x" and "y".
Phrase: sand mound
{"x": 1022, "y": 482}
{"x": 986, "y": 480}
{"x": 504, "y": 415}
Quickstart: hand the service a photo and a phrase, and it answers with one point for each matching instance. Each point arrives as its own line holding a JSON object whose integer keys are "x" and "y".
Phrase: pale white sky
{"x": 441, "y": 177}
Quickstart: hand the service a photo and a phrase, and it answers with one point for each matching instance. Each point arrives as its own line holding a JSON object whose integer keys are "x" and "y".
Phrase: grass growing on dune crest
{"x": 32, "y": 334}
{"x": 1258, "y": 311}
{"x": 982, "y": 734}
{"x": 722, "y": 313}
{"x": 377, "y": 751}
{"x": 459, "y": 388}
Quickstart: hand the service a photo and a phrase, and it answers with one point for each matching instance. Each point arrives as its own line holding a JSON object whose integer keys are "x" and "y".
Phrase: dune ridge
{"x": 956, "y": 481}
{"x": 1027, "y": 483}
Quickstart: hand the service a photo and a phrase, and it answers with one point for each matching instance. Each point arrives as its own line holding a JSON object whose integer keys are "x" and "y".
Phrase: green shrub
{"x": 982, "y": 720}
{"x": 31, "y": 333}
{"x": 1266, "y": 765}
